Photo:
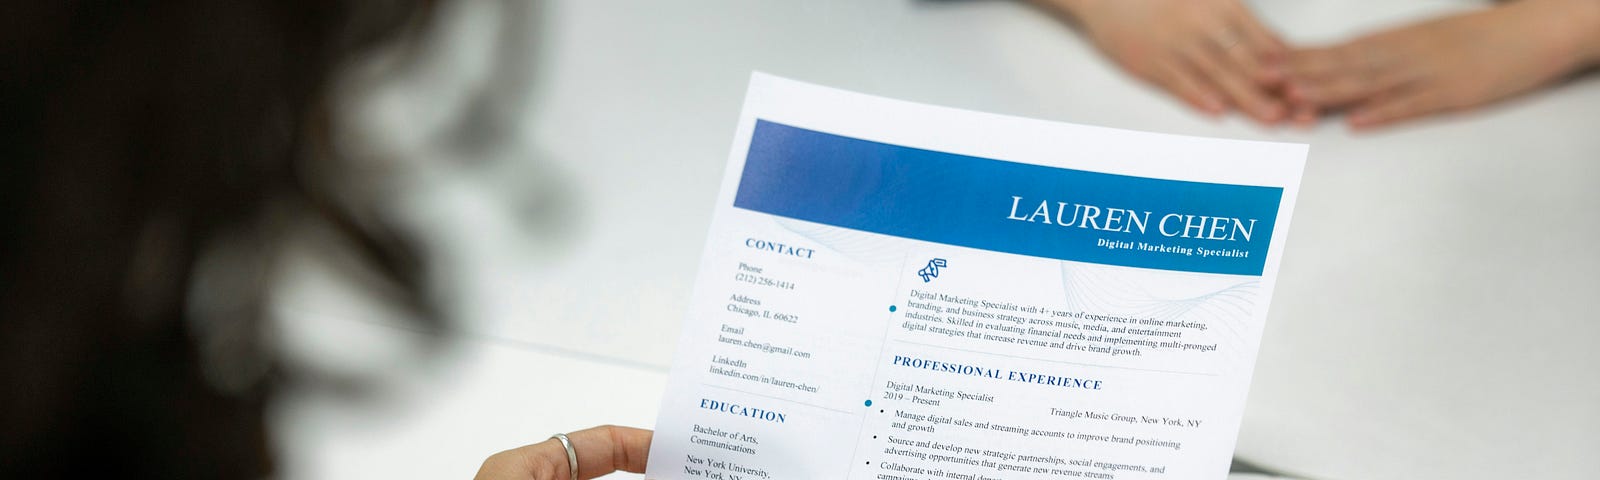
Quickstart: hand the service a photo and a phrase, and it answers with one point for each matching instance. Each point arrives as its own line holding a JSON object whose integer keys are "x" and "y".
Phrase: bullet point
{"x": 869, "y": 403}
{"x": 880, "y": 410}
{"x": 891, "y": 309}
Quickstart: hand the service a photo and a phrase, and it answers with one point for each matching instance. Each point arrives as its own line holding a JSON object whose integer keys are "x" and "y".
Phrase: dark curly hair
{"x": 130, "y": 134}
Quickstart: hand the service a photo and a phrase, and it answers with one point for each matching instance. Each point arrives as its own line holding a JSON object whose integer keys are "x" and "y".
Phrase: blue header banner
{"x": 1006, "y": 206}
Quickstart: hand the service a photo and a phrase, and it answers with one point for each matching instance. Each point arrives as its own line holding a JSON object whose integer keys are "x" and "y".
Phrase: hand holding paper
{"x": 600, "y": 451}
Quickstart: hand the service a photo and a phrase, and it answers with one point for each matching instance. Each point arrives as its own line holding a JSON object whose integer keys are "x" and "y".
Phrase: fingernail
{"x": 1360, "y": 118}
{"x": 1305, "y": 120}
{"x": 1300, "y": 91}
{"x": 1272, "y": 113}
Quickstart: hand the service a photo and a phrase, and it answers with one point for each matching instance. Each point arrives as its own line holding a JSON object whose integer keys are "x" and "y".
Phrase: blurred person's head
{"x": 135, "y": 135}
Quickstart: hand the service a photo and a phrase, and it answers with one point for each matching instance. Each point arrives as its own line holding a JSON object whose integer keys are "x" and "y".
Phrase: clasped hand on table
{"x": 1216, "y": 56}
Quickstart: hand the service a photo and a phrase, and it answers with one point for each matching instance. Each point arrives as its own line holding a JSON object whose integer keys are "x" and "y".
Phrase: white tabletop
{"x": 1433, "y": 319}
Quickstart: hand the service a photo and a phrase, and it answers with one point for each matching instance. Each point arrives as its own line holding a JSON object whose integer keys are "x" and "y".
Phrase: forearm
{"x": 1592, "y": 39}
{"x": 1576, "y": 23}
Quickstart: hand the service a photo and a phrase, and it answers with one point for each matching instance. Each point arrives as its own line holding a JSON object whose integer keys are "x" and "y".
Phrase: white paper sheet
{"x": 893, "y": 291}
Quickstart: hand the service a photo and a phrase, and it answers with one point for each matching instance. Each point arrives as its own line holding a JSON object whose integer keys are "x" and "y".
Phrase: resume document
{"x": 898, "y": 291}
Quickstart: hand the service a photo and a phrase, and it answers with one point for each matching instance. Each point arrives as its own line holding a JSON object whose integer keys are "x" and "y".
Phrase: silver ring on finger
{"x": 572, "y": 455}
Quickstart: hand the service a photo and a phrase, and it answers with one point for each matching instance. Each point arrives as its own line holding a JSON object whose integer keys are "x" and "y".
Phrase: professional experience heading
{"x": 996, "y": 374}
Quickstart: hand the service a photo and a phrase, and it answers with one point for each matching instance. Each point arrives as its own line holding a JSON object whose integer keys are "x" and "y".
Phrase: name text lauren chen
{"x": 1093, "y": 217}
